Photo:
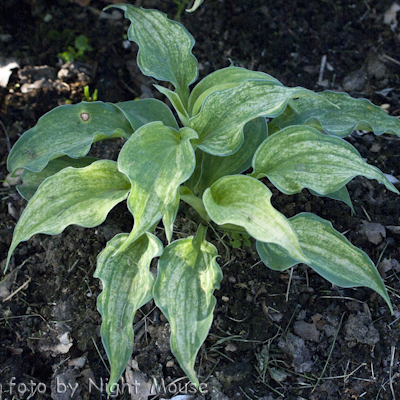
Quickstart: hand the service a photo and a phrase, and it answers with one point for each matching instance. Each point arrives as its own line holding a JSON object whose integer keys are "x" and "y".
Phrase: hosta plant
{"x": 182, "y": 4}
{"x": 234, "y": 130}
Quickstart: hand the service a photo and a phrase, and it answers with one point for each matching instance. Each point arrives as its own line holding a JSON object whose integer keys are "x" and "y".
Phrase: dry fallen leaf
{"x": 230, "y": 347}
{"x": 13, "y": 180}
{"x": 318, "y": 321}
{"x": 6, "y": 67}
{"x": 63, "y": 347}
{"x": 375, "y": 148}
{"x": 384, "y": 266}
{"x": 306, "y": 331}
{"x": 375, "y": 232}
{"x": 141, "y": 385}
{"x": 12, "y": 210}
{"x": 394, "y": 229}
{"x": 390, "y": 16}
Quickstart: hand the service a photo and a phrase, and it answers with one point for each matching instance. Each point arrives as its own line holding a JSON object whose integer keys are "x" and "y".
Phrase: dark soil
{"x": 274, "y": 334}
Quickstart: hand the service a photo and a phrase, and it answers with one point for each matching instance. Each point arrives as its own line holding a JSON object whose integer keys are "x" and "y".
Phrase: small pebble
{"x": 306, "y": 331}
{"x": 77, "y": 362}
{"x": 230, "y": 347}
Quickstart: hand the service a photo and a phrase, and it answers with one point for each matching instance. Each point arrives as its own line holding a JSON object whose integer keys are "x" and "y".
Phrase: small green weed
{"x": 89, "y": 97}
{"x": 77, "y": 53}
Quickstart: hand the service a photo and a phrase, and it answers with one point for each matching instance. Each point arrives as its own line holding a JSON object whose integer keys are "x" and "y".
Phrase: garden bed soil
{"x": 288, "y": 335}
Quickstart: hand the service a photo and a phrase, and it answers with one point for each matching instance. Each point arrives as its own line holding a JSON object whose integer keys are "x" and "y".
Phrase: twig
{"x": 342, "y": 298}
{"x": 346, "y": 378}
{"x": 291, "y": 319}
{"x": 18, "y": 290}
{"x": 367, "y": 215}
{"x": 366, "y": 12}
{"x": 7, "y": 137}
{"x": 246, "y": 395}
{"x": 393, "y": 350}
{"x": 289, "y": 283}
{"x": 330, "y": 354}
{"x": 381, "y": 255}
{"x": 322, "y": 69}
{"x": 270, "y": 387}
{"x": 391, "y": 59}
{"x": 101, "y": 357}
{"x": 28, "y": 316}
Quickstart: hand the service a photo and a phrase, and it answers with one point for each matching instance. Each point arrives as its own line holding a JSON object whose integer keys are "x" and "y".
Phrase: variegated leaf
{"x": 210, "y": 168}
{"x": 195, "y": 6}
{"x": 156, "y": 159}
{"x": 67, "y": 130}
{"x": 170, "y": 216}
{"x": 223, "y": 115}
{"x": 127, "y": 285}
{"x": 165, "y": 48}
{"x": 176, "y": 103}
{"x": 245, "y": 201}
{"x": 32, "y": 180}
{"x": 196, "y": 202}
{"x": 222, "y": 79}
{"x": 300, "y": 157}
{"x": 352, "y": 114}
{"x": 329, "y": 253}
{"x": 80, "y": 196}
{"x": 341, "y": 194}
{"x": 187, "y": 277}
{"x": 141, "y": 112}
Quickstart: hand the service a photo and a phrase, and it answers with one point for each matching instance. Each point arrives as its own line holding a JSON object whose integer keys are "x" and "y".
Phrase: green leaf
{"x": 210, "y": 168}
{"x": 141, "y": 112}
{"x": 236, "y": 244}
{"x": 32, "y": 180}
{"x": 222, "y": 118}
{"x": 245, "y": 201}
{"x": 196, "y": 5}
{"x": 156, "y": 159}
{"x": 67, "y": 130}
{"x": 352, "y": 114}
{"x": 222, "y": 79}
{"x": 165, "y": 48}
{"x": 82, "y": 44}
{"x": 67, "y": 56}
{"x": 196, "y": 202}
{"x": 329, "y": 253}
{"x": 169, "y": 218}
{"x": 79, "y": 196}
{"x": 127, "y": 285}
{"x": 300, "y": 157}
{"x": 176, "y": 103}
{"x": 187, "y": 277}
{"x": 341, "y": 194}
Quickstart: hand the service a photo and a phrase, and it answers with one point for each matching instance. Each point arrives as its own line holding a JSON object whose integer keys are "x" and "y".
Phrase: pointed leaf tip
{"x": 245, "y": 201}
{"x": 165, "y": 48}
{"x": 348, "y": 115}
{"x": 224, "y": 113}
{"x": 300, "y": 157}
{"x": 330, "y": 254}
{"x": 127, "y": 285}
{"x": 80, "y": 196}
{"x": 147, "y": 159}
{"x": 187, "y": 276}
